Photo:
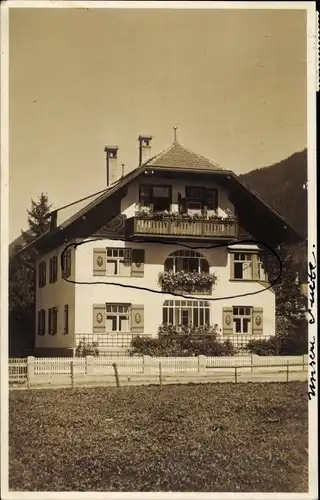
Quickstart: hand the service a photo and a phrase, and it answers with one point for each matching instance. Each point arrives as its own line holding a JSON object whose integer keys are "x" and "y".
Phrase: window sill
{"x": 249, "y": 281}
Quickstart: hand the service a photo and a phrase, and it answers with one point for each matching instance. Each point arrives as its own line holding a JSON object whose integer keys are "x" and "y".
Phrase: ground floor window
{"x": 186, "y": 312}
{"x": 242, "y": 320}
{"x": 118, "y": 317}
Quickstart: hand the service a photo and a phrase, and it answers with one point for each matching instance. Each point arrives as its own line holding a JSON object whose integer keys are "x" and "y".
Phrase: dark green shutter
{"x": 99, "y": 262}
{"x": 257, "y": 321}
{"x": 227, "y": 320}
{"x": 137, "y": 262}
{"x": 137, "y": 318}
{"x": 99, "y": 318}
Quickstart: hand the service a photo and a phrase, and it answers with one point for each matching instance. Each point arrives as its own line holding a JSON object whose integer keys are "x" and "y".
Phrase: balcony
{"x": 179, "y": 226}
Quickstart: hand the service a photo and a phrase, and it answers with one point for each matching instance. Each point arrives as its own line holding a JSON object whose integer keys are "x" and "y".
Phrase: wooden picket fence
{"x": 32, "y": 370}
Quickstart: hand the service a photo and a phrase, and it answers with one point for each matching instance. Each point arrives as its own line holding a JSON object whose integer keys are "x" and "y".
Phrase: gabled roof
{"x": 177, "y": 156}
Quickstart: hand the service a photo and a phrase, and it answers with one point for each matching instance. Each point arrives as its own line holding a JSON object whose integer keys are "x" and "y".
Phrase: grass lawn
{"x": 219, "y": 437}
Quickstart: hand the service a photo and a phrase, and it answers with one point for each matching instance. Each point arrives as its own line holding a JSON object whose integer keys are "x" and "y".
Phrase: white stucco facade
{"x": 85, "y": 291}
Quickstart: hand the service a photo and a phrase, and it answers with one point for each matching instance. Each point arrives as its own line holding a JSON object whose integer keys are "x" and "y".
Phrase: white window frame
{"x": 174, "y": 310}
{"x": 243, "y": 258}
{"x": 242, "y": 315}
{"x": 115, "y": 311}
{"x": 118, "y": 256}
{"x": 262, "y": 276}
{"x": 189, "y": 255}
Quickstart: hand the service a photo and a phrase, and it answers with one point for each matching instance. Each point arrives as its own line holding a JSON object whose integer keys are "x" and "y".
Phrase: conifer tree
{"x": 22, "y": 281}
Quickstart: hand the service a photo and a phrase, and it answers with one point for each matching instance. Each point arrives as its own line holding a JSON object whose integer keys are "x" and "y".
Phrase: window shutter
{"x": 227, "y": 320}
{"x": 257, "y": 321}
{"x": 255, "y": 274}
{"x": 137, "y": 318}
{"x": 99, "y": 318}
{"x": 137, "y": 266}
{"x": 99, "y": 262}
{"x": 231, "y": 266}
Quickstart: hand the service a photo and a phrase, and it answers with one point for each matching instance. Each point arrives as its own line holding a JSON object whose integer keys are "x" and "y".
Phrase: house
{"x": 177, "y": 240}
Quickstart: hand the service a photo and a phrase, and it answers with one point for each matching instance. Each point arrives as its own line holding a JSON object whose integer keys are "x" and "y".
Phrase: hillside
{"x": 281, "y": 185}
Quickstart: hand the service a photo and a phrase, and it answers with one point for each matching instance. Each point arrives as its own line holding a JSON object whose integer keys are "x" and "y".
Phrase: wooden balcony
{"x": 198, "y": 228}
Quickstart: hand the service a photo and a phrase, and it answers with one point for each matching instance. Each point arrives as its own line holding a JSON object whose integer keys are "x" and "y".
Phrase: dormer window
{"x": 158, "y": 198}
{"x": 201, "y": 198}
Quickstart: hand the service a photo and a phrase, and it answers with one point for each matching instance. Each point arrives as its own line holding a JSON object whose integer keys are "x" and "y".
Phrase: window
{"x": 194, "y": 196}
{"x": 186, "y": 260}
{"x": 66, "y": 320}
{"x": 53, "y": 269}
{"x": 42, "y": 274}
{"x": 52, "y": 320}
{"x": 67, "y": 263}
{"x": 186, "y": 312}
{"x": 242, "y": 320}
{"x": 159, "y": 197}
{"x": 243, "y": 266}
{"x": 118, "y": 261}
{"x": 41, "y": 322}
{"x": 261, "y": 271}
{"x": 199, "y": 198}
{"x": 118, "y": 317}
{"x": 211, "y": 199}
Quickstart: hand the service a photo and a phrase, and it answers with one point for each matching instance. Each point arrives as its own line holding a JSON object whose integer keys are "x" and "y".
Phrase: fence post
{"x": 116, "y": 374}
{"x": 160, "y": 374}
{"x": 89, "y": 365}
{"x": 30, "y": 369}
{"x": 72, "y": 374}
{"x": 236, "y": 374}
{"x": 305, "y": 361}
{"x": 287, "y": 371}
{"x": 255, "y": 362}
{"x": 146, "y": 364}
{"x": 202, "y": 363}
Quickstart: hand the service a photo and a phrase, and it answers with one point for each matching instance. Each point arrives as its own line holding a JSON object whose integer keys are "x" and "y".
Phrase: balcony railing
{"x": 203, "y": 228}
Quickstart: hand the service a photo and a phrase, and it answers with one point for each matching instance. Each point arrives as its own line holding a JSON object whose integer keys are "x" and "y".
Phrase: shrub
{"x": 186, "y": 341}
{"x": 87, "y": 349}
{"x": 293, "y": 342}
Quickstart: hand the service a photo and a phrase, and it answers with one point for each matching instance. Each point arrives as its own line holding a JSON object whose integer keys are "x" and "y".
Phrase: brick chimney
{"x": 144, "y": 148}
{"x": 113, "y": 172}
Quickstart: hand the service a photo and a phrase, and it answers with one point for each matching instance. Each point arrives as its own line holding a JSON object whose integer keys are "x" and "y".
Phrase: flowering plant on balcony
{"x": 193, "y": 281}
{"x": 146, "y": 213}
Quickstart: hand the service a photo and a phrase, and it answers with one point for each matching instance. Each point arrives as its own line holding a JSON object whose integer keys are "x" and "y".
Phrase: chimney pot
{"x": 112, "y": 164}
{"x": 144, "y": 148}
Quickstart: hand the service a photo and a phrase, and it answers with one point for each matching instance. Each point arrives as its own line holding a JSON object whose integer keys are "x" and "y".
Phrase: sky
{"x": 233, "y": 82}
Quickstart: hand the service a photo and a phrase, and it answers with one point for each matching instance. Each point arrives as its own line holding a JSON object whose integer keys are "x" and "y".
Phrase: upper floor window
{"x": 67, "y": 263}
{"x": 247, "y": 266}
{"x": 186, "y": 312}
{"x": 118, "y": 261}
{"x": 186, "y": 260}
{"x": 243, "y": 266}
{"x": 261, "y": 270}
{"x": 53, "y": 269}
{"x": 42, "y": 274}
{"x": 158, "y": 198}
{"x": 200, "y": 198}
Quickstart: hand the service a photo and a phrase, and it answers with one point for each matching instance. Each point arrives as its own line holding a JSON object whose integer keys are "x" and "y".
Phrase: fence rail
{"x": 32, "y": 370}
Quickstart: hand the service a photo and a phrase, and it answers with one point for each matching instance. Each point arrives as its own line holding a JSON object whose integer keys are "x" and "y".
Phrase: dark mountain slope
{"x": 282, "y": 185}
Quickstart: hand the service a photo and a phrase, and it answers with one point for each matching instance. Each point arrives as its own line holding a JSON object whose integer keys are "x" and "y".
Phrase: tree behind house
{"x": 22, "y": 281}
